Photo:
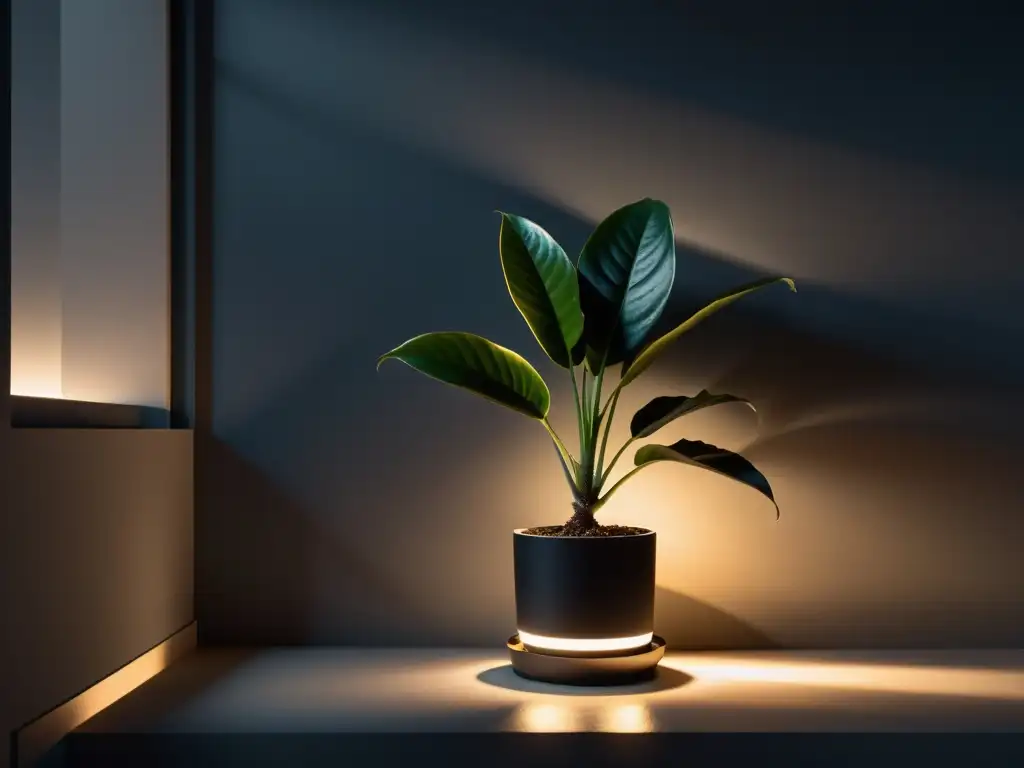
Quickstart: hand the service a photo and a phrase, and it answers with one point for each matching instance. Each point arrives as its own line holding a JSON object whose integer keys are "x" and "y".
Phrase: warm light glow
{"x": 41, "y": 734}
{"x": 545, "y": 718}
{"x": 626, "y": 718}
{"x": 28, "y": 386}
{"x": 585, "y": 645}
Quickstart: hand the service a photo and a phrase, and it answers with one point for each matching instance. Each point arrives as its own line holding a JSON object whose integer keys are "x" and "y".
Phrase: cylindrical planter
{"x": 584, "y": 595}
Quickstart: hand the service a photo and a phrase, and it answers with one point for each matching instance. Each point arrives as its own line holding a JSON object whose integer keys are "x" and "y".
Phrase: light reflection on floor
{"x": 605, "y": 717}
{"x": 763, "y": 683}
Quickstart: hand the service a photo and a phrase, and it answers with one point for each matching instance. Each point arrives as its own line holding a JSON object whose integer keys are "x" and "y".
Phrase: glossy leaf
{"x": 651, "y": 352}
{"x": 662, "y": 410}
{"x": 719, "y": 460}
{"x": 479, "y": 366}
{"x": 543, "y": 285}
{"x": 626, "y": 271}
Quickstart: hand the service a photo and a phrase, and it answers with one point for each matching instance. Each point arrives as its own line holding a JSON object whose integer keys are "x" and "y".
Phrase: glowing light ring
{"x": 585, "y": 645}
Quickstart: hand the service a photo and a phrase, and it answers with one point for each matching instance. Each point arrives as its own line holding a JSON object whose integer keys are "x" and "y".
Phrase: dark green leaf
{"x": 478, "y": 365}
{"x": 661, "y": 410}
{"x": 542, "y": 283}
{"x": 626, "y": 271}
{"x": 698, "y": 454}
{"x": 651, "y": 351}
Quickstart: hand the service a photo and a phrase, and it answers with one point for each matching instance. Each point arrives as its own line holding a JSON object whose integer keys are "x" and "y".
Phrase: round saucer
{"x": 590, "y": 670}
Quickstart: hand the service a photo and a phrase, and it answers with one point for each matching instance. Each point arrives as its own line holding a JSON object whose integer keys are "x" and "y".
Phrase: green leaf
{"x": 478, "y": 365}
{"x": 542, "y": 283}
{"x": 661, "y": 410}
{"x": 626, "y": 271}
{"x": 719, "y": 460}
{"x": 650, "y": 353}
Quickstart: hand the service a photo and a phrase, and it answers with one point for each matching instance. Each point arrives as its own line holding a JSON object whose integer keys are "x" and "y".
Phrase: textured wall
{"x": 361, "y": 149}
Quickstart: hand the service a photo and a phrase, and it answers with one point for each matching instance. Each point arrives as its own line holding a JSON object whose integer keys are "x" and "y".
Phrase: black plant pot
{"x": 589, "y": 596}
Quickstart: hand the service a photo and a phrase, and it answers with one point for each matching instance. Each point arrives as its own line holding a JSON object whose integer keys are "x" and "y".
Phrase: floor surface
{"x": 311, "y": 706}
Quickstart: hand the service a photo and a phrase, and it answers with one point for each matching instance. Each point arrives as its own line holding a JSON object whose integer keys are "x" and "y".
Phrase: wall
{"x": 95, "y": 532}
{"x": 360, "y": 152}
{"x": 97, "y": 557}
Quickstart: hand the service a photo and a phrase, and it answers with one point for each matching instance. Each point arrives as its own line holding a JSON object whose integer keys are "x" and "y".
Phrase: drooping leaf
{"x": 651, "y": 352}
{"x": 661, "y": 410}
{"x": 719, "y": 460}
{"x": 478, "y": 365}
{"x": 543, "y": 285}
{"x": 626, "y": 271}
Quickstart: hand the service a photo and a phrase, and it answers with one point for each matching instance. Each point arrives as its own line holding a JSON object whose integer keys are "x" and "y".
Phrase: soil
{"x": 598, "y": 530}
{"x": 583, "y": 524}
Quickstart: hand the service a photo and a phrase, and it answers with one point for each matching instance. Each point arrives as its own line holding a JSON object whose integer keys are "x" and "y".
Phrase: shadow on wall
{"x": 845, "y": 75}
{"x": 255, "y": 554}
{"x": 910, "y": 252}
{"x": 269, "y": 574}
{"x": 688, "y": 624}
{"x": 349, "y": 506}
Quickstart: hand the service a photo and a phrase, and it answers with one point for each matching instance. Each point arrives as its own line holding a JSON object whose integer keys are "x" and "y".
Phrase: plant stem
{"x": 595, "y": 428}
{"x": 615, "y": 458}
{"x": 601, "y": 502}
{"x": 615, "y": 393}
{"x": 579, "y": 409}
{"x": 586, "y": 471}
{"x": 564, "y": 457}
{"x": 558, "y": 441}
{"x": 599, "y": 473}
{"x": 586, "y": 414}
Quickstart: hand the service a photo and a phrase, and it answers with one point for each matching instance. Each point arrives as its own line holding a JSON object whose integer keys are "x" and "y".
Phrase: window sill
{"x": 54, "y": 413}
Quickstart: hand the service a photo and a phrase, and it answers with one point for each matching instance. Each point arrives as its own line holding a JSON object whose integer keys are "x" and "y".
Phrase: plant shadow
{"x": 688, "y": 624}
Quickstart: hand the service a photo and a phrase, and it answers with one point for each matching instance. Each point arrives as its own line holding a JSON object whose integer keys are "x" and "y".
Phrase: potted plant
{"x": 583, "y": 588}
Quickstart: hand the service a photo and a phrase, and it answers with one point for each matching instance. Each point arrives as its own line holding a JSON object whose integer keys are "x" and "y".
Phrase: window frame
{"x": 190, "y": 92}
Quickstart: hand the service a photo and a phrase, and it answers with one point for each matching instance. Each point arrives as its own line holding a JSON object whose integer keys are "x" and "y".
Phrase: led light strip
{"x": 585, "y": 645}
